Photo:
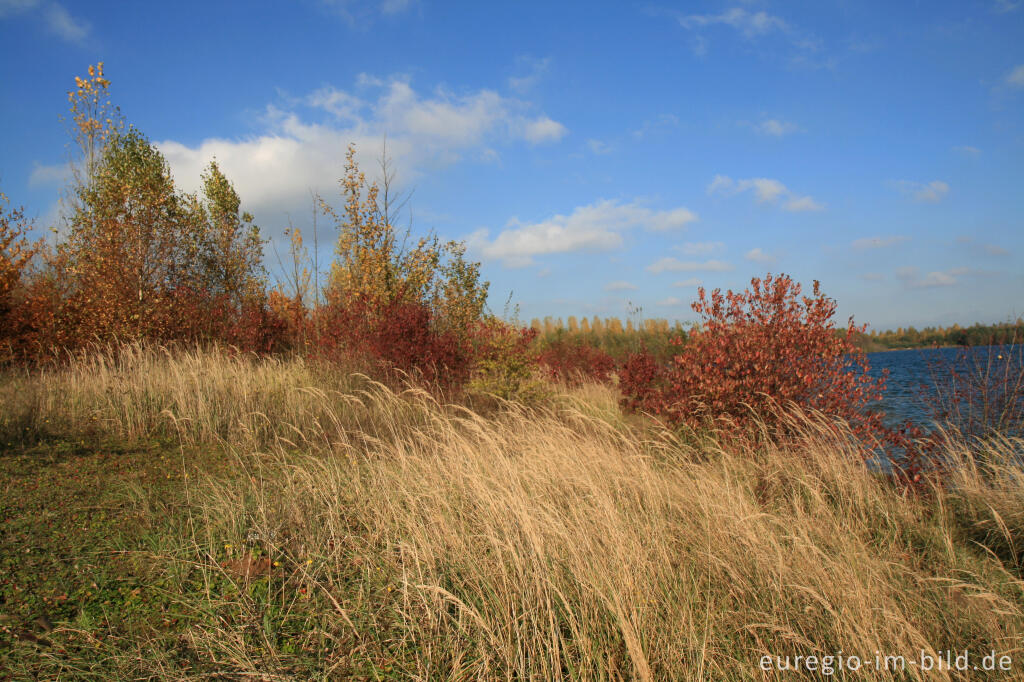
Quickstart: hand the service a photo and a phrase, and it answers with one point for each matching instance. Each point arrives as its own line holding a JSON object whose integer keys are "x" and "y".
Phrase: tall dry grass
{"x": 555, "y": 542}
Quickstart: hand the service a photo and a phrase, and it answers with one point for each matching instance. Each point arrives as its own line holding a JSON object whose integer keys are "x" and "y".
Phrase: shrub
{"x": 15, "y": 255}
{"x": 385, "y": 336}
{"x": 505, "y": 362}
{"x": 753, "y": 352}
{"x": 573, "y": 360}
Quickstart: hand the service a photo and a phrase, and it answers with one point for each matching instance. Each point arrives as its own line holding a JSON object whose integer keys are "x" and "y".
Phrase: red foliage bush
{"x": 754, "y": 352}
{"x": 389, "y": 336}
{"x": 572, "y": 361}
{"x": 251, "y": 326}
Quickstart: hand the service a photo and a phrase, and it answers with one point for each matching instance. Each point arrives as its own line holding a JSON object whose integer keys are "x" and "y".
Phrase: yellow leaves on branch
{"x": 94, "y": 117}
{"x": 375, "y": 263}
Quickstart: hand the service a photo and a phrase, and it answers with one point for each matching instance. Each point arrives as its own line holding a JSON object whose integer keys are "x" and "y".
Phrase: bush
{"x": 572, "y": 361}
{"x": 505, "y": 362}
{"x": 754, "y": 352}
{"x": 392, "y": 335}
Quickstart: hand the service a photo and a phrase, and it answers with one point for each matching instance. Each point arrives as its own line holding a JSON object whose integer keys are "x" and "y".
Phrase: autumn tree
{"x": 93, "y": 121}
{"x": 379, "y": 264}
{"x": 229, "y": 244}
{"x": 131, "y": 240}
{"x": 15, "y": 254}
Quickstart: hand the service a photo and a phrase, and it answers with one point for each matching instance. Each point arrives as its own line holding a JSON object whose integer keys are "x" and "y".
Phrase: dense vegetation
{"x": 378, "y": 478}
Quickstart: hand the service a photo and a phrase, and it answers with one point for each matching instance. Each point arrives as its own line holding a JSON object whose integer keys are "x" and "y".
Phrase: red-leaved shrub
{"x": 385, "y": 336}
{"x": 752, "y": 353}
{"x": 572, "y": 361}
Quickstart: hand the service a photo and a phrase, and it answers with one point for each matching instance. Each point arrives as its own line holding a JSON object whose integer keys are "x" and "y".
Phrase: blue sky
{"x": 590, "y": 154}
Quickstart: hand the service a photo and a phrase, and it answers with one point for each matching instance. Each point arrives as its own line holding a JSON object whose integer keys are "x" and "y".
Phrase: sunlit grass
{"x": 374, "y": 533}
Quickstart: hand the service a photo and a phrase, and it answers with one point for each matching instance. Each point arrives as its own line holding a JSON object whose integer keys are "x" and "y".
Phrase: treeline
{"x": 955, "y": 335}
{"x": 138, "y": 259}
{"x": 610, "y": 334}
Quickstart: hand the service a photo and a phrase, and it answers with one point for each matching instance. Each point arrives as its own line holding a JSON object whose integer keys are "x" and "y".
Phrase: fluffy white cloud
{"x": 302, "y": 147}
{"x": 595, "y": 227}
{"x": 878, "y": 242}
{"x": 670, "y": 264}
{"x": 929, "y": 192}
{"x": 543, "y": 130}
{"x": 688, "y": 282}
{"x": 672, "y": 301}
{"x": 766, "y": 191}
{"x": 759, "y": 255}
{"x": 1015, "y": 78}
{"x": 620, "y": 285}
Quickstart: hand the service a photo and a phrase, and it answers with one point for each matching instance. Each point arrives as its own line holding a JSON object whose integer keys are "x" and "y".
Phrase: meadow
{"x": 370, "y": 475}
{"x": 190, "y": 513}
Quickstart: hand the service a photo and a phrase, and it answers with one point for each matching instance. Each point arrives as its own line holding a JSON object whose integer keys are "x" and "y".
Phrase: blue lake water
{"x": 912, "y": 373}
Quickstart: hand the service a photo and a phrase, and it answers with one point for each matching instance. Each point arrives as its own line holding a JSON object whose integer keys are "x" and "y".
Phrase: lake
{"x": 910, "y": 371}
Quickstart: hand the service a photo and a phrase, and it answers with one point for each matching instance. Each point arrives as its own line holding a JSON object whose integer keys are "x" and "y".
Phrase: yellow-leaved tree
{"x": 381, "y": 265}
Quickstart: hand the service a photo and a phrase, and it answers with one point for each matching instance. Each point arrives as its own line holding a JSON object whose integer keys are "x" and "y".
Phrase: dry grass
{"x": 426, "y": 541}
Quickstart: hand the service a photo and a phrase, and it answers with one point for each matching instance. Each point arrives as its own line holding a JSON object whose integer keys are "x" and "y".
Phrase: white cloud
{"x": 598, "y": 147}
{"x": 56, "y": 18}
{"x": 342, "y": 105}
{"x": 911, "y": 277}
{"x": 688, "y": 282}
{"x": 59, "y": 21}
{"x": 872, "y": 276}
{"x": 1003, "y": 6}
{"x": 301, "y": 149}
{"x": 360, "y": 13}
{"x": 776, "y": 128}
{"x": 543, "y": 129}
{"x": 620, "y": 285}
{"x": 536, "y": 68}
{"x": 937, "y": 279}
{"x": 878, "y": 242}
{"x": 801, "y": 204}
{"x": 669, "y": 264}
{"x": 595, "y": 227}
{"x": 699, "y": 248}
{"x": 930, "y": 192}
{"x": 749, "y": 24}
{"x": 968, "y": 150}
{"x": 49, "y": 175}
{"x": 672, "y": 301}
{"x": 1015, "y": 78}
{"x": 16, "y": 6}
{"x": 394, "y": 6}
{"x": 758, "y": 255}
{"x": 766, "y": 191}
